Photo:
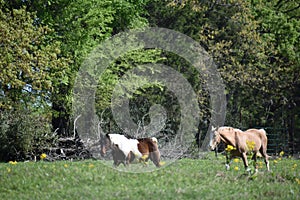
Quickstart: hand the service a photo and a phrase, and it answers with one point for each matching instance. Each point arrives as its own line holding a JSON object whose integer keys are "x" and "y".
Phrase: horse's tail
{"x": 263, "y": 135}
{"x": 154, "y": 151}
{"x": 264, "y": 142}
{"x": 154, "y": 139}
{"x": 263, "y": 131}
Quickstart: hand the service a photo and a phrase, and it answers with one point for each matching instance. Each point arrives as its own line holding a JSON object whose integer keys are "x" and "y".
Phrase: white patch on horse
{"x": 125, "y": 145}
{"x": 122, "y": 143}
{"x": 133, "y": 144}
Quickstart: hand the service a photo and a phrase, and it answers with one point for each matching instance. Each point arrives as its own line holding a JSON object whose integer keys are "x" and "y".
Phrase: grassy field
{"x": 183, "y": 179}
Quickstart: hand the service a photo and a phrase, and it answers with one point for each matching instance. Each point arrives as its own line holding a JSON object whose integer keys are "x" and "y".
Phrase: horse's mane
{"x": 128, "y": 136}
{"x": 228, "y": 128}
{"x": 121, "y": 135}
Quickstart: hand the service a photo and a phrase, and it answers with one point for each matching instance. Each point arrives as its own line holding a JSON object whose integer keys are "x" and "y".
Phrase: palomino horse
{"x": 242, "y": 142}
{"x": 125, "y": 150}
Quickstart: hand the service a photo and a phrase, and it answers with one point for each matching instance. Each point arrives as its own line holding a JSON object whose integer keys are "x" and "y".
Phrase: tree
{"x": 256, "y": 47}
{"x": 30, "y": 63}
{"x": 227, "y": 31}
{"x": 279, "y": 26}
{"x": 83, "y": 25}
{"x": 31, "y": 66}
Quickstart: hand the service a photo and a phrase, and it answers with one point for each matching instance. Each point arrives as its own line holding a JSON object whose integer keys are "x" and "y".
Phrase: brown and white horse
{"x": 125, "y": 150}
{"x": 251, "y": 140}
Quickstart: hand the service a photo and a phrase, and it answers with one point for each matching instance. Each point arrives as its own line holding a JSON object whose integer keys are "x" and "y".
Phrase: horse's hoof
{"x": 227, "y": 167}
{"x": 248, "y": 170}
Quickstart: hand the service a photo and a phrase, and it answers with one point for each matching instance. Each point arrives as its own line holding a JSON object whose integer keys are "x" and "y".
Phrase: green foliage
{"x": 31, "y": 68}
{"x": 82, "y": 26}
{"x": 30, "y": 63}
{"x": 111, "y": 76}
{"x": 279, "y": 28}
{"x": 229, "y": 34}
{"x": 23, "y": 134}
{"x": 255, "y": 45}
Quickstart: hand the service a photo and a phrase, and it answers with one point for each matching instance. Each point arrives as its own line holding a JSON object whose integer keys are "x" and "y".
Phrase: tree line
{"x": 254, "y": 44}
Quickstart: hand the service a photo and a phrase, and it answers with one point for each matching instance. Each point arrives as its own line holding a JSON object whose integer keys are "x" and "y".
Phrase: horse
{"x": 241, "y": 142}
{"x": 125, "y": 150}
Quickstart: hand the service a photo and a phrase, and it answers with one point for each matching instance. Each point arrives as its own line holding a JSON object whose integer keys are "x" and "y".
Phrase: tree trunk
{"x": 61, "y": 120}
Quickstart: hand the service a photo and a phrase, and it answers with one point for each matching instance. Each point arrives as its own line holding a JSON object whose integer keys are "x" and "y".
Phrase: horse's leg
{"x": 227, "y": 164}
{"x": 263, "y": 152}
{"x": 127, "y": 159}
{"x": 254, "y": 157}
{"x": 132, "y": 157}
{"x": 147, "y": 158}
{"x": 244, "y": 157}
{"x": 267, "y": 162}
{"x": 155, "y": 157}
{"x": 117, "y": 163}
{"x": 228, "y": 160}
{"x": 144, "y": 158}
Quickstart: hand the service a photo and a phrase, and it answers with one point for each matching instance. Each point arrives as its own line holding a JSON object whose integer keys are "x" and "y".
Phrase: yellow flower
{"x": 275, "y": 161}
{"x": 236, "y": 168}
{"x": 250, "y": 145}
{"x": 236, "y": 160}
{"x": 43, "y": 156}
{"x": 295, "y": 165}
{"x": 91, "y": 165}
{"x": 298, "y": 181}
{"x": 65, "y": 165}
{"x": 281, "y": 153}
{"x": 12, "y": 162}
{"x": 230, "y": 148}
{"x": 162, "y": 163}
{"x": 8, "y": 170}
{"x": 144, "y": 157}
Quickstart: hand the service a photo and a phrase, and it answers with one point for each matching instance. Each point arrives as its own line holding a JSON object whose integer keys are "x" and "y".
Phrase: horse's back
{"x": 261, "y": 133}
{"x": 148, "y": 143}
{"x": 259, "y": 136}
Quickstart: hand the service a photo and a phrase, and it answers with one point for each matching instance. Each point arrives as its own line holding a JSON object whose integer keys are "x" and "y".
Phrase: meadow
{"x": 204, "y": 178}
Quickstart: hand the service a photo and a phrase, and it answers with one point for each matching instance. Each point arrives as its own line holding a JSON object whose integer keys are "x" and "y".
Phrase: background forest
{"x": 254, "y": 43}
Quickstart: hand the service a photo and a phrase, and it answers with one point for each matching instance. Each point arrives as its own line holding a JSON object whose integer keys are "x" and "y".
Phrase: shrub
{"x": 23, "y": 134}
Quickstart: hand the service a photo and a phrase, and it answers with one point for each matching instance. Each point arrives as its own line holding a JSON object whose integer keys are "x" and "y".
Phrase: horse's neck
{"x": 229, "y": 138}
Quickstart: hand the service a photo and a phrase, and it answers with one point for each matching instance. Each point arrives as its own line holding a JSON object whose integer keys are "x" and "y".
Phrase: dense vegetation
{"x": 254, "y": 44}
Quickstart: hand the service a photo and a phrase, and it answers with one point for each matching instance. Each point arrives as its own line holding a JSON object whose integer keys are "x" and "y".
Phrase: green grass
{"x": 183, "y": 179}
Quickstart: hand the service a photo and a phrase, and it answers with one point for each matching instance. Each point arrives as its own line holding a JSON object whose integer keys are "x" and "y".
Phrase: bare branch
{"x": 75, "y": 125}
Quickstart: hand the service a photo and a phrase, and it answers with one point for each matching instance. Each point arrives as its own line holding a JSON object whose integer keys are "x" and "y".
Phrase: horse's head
{"x": 215, "y": 138}
{"x": 104, "y": 144}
